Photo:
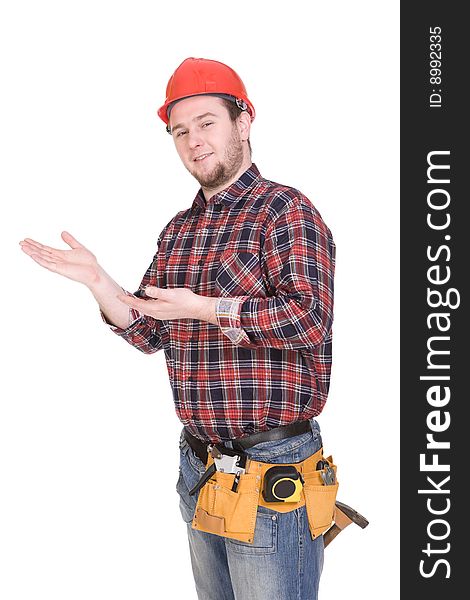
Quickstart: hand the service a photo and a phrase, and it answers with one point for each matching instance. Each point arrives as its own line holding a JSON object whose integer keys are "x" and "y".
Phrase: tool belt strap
{"x": 277, "y": 433}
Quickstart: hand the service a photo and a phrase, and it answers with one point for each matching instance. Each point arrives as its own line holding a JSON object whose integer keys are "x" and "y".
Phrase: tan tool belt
{"x": 230, "y": 514}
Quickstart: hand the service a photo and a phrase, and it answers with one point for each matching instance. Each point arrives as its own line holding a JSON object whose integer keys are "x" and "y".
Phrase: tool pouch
{"x": 320, "y": 500}
{"x": 233, "y": 514}
{"x": 226, "y": 513}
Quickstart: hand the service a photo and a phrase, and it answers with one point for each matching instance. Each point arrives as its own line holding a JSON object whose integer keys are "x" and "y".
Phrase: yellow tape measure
{"x": 282, "y": 483}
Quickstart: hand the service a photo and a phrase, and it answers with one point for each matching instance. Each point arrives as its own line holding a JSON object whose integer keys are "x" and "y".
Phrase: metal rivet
{"x": 273, "y": 517}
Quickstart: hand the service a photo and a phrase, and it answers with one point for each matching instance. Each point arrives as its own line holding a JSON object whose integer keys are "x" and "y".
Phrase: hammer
{"x": 343, "y": 516}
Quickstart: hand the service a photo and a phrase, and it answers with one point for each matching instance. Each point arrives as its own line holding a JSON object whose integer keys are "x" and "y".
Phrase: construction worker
{"x": 239, "y": 295}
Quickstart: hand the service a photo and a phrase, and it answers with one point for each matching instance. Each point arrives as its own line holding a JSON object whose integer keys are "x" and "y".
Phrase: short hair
{"x": 234, "y": 112}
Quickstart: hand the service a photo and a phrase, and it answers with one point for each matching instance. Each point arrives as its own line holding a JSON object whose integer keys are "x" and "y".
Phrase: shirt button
{"x": 200, "y": 262}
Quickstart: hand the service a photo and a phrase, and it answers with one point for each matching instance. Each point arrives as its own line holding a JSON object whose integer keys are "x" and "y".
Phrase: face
{"x": 207, "y": 141}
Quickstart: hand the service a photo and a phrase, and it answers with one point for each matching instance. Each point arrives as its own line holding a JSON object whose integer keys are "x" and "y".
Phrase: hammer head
{"x": 343, "y": 517}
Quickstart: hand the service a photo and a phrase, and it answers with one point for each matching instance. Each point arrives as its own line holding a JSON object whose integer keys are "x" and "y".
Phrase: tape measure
{"x": 282, "y": 483}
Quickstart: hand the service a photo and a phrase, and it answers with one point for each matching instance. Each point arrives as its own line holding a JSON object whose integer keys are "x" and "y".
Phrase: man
{"x": 240, "y": 297}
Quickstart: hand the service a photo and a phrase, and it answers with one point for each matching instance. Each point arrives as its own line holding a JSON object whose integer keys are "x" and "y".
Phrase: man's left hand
{"x": 173, "y": 303}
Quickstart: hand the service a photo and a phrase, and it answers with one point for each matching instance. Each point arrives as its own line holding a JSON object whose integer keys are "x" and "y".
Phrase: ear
{"x": 244, "y": 124}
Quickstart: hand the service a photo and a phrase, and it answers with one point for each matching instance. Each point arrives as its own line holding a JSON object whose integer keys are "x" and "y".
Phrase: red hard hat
{"x": 201, "y": 76}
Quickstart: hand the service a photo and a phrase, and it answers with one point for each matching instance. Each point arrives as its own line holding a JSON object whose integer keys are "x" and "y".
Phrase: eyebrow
{"x": 198, "y": 118}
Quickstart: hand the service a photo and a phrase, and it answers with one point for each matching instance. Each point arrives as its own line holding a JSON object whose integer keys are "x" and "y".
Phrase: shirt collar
{"x": 233, "y": 192}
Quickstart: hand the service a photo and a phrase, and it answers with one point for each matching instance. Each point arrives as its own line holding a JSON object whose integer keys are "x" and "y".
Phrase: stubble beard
{"x": 224, "y": 171}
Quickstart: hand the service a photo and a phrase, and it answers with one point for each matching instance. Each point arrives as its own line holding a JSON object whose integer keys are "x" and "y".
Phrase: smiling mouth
{"x": 202, "y": 157}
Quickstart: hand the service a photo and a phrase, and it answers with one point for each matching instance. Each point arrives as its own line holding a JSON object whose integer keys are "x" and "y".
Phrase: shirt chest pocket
{"x": 239, "y": 274}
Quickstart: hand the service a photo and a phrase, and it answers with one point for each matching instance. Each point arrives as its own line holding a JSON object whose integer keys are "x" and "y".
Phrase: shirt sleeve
{"x": 298, "y": 258}
{"x": 143, "y": 331}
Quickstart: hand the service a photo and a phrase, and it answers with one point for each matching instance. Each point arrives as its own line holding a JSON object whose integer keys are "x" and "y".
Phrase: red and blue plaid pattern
{"x": 263, "y": 249}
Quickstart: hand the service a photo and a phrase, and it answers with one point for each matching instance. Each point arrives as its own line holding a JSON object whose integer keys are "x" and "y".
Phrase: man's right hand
{"x": 78, "y": 263}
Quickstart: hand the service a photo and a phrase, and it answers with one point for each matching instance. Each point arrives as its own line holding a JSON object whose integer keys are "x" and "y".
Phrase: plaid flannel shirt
{"x": 264, "y": 251}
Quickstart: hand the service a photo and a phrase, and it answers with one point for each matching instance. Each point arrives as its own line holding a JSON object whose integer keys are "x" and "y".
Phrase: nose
{"x": 194, "y": 139}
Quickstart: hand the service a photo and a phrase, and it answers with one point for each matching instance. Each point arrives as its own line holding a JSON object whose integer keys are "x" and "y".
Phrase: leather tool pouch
{"x": 233, "y": 514}
{"x": 320, "y": 499}
{"x": 226, "y": 513}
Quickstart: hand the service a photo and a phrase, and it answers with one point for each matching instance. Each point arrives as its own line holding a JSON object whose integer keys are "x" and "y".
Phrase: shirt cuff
{"x": 228, "y": 314}
{"x": 134, "y": 317}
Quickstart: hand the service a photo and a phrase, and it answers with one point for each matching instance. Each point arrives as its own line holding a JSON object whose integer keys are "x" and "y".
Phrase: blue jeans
{"x": 282, "y": 563}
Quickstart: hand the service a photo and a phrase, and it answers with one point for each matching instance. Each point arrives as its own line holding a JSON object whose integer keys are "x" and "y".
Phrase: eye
{"x": 180, "y": 133}
{"x": 207, "y": 123}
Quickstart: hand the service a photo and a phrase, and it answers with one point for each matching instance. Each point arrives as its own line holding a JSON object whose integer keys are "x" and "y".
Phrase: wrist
{"x": 207, "y": 312}
{"x": 98, "y": 280}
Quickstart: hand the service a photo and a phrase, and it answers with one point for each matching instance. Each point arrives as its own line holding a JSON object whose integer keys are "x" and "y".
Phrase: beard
{"x": 225, "y": 170}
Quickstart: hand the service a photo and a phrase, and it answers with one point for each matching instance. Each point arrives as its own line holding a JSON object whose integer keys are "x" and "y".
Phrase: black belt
{"x": 277, "y": 433}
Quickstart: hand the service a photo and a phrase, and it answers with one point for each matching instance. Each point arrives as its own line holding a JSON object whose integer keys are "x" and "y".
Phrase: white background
{"x": 88, "y": 433}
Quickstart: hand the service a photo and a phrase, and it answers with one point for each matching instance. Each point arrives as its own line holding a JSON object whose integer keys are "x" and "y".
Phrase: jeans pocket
{"x": 265, "y": 538}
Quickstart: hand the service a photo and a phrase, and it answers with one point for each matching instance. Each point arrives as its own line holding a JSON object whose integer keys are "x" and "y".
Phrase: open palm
{"x": 78, "y": 263}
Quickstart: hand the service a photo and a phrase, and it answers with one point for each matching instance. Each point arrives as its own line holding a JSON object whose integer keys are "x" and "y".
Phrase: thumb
{"x": 153, "y": 292}
{"x": 70, "y": 240}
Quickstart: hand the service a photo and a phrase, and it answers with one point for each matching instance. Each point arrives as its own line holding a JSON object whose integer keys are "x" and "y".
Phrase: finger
{"x": 37, "y": 245}
{"x": 132, "y": 300}
{"x": 32, "y": 247}
{"x": 55, "y": 255}
{"x": 47, "y": 264}
{"x": 153, "y": 292}
{"x": 141, "y": 305}
{"x": 70, "y": 240}
{"x": 28, "y": 248}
